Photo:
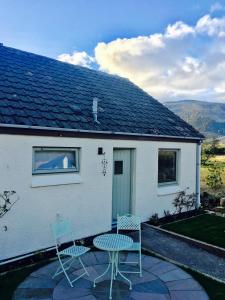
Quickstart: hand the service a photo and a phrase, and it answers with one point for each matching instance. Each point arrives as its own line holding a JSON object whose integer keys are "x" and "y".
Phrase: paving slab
{"x": 160, "y": 281}
{"x": 184, "y": 285}
{"x": 34, "y": 282}
{"x": 102, "y": 257}
{"x": 89, "y": 259}
{"x": 162, "y": 267}
{"x": 175, "y": 274}
{"x": 32, "y": 293}
{"x": 187, "y": 295}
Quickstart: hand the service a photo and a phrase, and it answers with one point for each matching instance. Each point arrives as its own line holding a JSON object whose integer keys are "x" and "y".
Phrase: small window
{"x": 167, "y": 166}
{"x": 118, "y": 167}
{"x": 55, "y": 160}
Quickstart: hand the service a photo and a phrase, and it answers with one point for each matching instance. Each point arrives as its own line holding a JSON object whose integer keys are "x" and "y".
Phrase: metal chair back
{"x": 128, "y": 222}
{"x": 62, "y": 231}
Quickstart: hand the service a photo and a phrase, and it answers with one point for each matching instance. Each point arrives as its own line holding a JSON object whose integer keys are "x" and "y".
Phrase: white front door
{"x": 121, "y": 182}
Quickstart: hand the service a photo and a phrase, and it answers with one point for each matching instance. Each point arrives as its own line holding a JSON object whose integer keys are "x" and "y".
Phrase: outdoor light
{"x": 100, "y": 151}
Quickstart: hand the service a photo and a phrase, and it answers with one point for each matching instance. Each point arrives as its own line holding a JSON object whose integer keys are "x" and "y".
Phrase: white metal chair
{"x": 62, "y": 232}
{"x": 131, "y": 222}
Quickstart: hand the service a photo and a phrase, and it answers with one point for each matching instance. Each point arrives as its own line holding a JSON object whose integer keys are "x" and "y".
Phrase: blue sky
{"x": 51, "y": 27}
{"x": 118, "y": 36}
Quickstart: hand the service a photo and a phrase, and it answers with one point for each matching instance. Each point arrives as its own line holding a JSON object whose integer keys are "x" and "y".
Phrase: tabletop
{"x": 113, "y": 242}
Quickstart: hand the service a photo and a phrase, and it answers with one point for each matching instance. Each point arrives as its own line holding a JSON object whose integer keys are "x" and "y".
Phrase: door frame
{"x": 132, "y": 180}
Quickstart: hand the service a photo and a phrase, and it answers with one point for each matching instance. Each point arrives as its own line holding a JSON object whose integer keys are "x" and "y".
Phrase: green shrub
{"x": 154, "y": 219}
{"x": 184, "y": 201}
{"x": 214, "y": 178}
{"x": 209, "y": 201}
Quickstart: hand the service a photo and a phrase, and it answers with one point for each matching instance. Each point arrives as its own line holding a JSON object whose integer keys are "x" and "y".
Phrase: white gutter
{"x": 198, "y": 170}
{"x": 98, "y": 132}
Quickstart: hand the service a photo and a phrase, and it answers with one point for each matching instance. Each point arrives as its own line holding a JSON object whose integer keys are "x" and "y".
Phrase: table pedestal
{"x": 113, "y": 263}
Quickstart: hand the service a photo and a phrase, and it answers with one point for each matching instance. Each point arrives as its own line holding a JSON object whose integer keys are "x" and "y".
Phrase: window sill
{"x": 168, "y": 189}
{"x": 55, "y": 179}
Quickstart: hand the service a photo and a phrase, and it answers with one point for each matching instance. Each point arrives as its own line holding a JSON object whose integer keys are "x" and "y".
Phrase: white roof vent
{"x": 95, "y": 110}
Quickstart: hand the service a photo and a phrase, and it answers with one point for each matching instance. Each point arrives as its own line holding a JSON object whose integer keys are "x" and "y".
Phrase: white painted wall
{"x": 87, "y": 202}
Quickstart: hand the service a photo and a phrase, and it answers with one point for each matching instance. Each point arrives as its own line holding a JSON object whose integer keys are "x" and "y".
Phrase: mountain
{"x": 207, "y": 117}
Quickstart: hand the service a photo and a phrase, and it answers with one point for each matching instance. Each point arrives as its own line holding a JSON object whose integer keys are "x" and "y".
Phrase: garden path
{"x": 183, "y": 253}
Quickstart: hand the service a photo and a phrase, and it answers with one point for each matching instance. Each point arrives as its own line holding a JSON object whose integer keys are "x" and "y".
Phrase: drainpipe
{"x": 198, "y": 166}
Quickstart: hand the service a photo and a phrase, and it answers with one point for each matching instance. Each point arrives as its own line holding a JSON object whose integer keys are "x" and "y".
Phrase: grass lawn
{"x": 206, "y": 228}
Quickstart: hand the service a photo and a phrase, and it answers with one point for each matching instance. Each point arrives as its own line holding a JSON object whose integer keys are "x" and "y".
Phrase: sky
{"x": 173, "y": 49}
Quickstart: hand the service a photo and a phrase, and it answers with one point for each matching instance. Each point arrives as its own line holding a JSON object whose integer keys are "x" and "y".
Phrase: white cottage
{"x": 85, "y": 145}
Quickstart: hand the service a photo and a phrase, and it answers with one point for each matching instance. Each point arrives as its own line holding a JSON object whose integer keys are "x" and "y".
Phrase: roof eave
{"x": 7, "y": 128}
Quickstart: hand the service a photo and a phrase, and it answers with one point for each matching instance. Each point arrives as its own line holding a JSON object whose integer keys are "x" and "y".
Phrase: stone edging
{"x": 208, "y": 247}
{"x": 181, "y": 220}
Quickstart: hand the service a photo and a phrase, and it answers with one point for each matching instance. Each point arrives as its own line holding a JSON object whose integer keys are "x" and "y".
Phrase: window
{"x": 55, "y": 160}
{"x": 167, "y": 166}
{"x": 118, "y": 167}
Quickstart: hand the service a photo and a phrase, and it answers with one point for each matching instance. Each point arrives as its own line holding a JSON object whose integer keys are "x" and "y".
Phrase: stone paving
{"x": 182, "y": 252}
{"x": 161, "y": 281}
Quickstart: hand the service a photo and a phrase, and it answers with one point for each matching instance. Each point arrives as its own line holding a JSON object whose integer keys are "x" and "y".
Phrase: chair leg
{"x": 140, "y": 263}
{"x": 69, "y": 266}
{"x": 64, "y": 271}
{"x": 57, "y": 272}
{"x": 64, "y": 267}
{"x": 117, "y": 262}
{"x": 83, "y": 266}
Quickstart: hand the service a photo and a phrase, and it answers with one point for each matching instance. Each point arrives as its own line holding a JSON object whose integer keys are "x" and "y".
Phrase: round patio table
{"x": 113, "y": 243}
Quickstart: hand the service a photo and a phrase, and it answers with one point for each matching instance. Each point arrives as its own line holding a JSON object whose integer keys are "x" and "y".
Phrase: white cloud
{"x": 211, "y": 26}
{"x": 183, "y": 62}
{"x": 178, "y": 30}
{"x": 191, "y": 65}
{"x": 77, "y": 58}
{"x": 217, "y": 6}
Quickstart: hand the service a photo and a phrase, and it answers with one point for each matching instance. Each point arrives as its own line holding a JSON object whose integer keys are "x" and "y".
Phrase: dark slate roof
{"x": 43, "y": 92}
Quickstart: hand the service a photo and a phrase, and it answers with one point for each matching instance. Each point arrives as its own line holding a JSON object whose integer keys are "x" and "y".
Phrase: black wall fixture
{"x": 100, "y": 151}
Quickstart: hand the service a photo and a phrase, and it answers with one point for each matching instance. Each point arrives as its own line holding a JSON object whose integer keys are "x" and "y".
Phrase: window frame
{"x": 176, "y": 182}
{"x": 76, "y": 150}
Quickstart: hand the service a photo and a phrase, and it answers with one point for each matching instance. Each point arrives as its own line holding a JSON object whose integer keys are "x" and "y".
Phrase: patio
{"x": 161, "y": 281}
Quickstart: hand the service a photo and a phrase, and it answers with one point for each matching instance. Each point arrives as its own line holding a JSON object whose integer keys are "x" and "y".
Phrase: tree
{"x": 214, "y": 145}
{"x": 209, "y": 150}
{"x": 214, "y": 178}
{"x": 206, "y": 154}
